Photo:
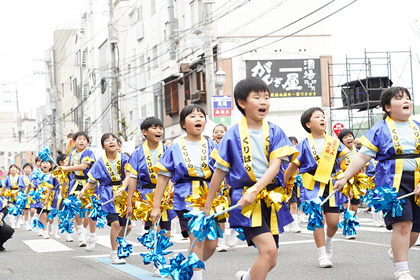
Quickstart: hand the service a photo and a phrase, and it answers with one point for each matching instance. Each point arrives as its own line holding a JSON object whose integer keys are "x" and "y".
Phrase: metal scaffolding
{"x": 355, "y": 87}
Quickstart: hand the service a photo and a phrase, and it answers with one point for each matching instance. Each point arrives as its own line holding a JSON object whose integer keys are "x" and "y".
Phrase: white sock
{"x": 322, "y": 251}
{"x": 328, "y": 239}
{"x": 114, "y": 252}
{"x": 92, "y": 236}
{"x": 80, "y": 229}
{"x": 197, "y": 275}
{"x": 295, "y": 220}
{"x": 401, "y": 266}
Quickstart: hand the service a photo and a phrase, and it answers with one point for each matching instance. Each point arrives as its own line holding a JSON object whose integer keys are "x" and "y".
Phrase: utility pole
{"x": 54, "y": 134}
{"x": 208, "y": 53}
{"x": 113, "y": 41}
{"x": 19, "y": 119}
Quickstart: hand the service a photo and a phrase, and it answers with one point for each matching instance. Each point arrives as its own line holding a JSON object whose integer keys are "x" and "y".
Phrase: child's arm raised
{"x": 273, "y": 169}
{"x": 215, "y": 183}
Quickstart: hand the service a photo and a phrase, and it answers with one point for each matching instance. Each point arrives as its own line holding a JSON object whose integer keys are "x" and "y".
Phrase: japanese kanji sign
{"x": 288, "y": 77}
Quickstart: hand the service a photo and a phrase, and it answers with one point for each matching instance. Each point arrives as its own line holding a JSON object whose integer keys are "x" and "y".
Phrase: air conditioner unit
{"x": 198, "y": 96}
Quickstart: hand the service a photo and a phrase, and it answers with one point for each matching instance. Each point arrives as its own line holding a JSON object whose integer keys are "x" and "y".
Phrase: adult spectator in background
{"x": 6, "y": 231}
{"x": 70, "y": 145}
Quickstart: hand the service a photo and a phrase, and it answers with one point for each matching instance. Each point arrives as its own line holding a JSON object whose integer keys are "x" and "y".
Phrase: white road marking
{"x": 46, "y": 245}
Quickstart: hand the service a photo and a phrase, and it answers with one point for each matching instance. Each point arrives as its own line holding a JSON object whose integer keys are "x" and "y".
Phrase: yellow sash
{"x": 149, "y": 161}
{"x": 79, "y": 173}
{"x": 325, "y": 166}
{"x": 246, "y": 145}
{"x": 109, "y": 167}
{"x": 13, "y": 184}
{"x": 399, "y": 151}
{"x": 190, "y": 166}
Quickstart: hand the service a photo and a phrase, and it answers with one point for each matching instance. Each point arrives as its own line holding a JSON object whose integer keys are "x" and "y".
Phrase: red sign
{"x": 222, "y": 112}
{"x": 337, "y": 128}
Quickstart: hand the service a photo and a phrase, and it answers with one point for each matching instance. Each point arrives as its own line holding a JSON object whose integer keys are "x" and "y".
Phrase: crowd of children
{"x": 253, "y": 161}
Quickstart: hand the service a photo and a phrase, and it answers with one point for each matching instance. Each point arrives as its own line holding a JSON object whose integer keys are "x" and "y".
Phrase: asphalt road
{"x": 29, "y": 256}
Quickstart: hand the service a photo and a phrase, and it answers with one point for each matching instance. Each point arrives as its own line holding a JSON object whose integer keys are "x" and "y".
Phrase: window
{"x": 171, "y": 96}
{"x": 75, "y": 87}
{"x": 149, "y": 74}
{"x": 143, "y": 112}
{"x": 155, "y": 57}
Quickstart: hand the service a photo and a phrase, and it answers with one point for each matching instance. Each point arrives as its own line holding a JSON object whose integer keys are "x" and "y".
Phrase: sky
{"x": 27, "y": 28}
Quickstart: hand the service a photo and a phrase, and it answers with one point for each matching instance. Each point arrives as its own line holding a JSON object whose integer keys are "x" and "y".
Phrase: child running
{"x": 188, "y": 164}
{"x": 142, "y": 176}
{"x": 14, "y": 184}
{"x": 218, "y": 133}
{"x": 51, "y": 192}
{"x": 347, "y": 138}
{"x": 63, "y": 160}
{"x": 318, "y": 159}
{"x": 27, "y": 181}
{"x": 80, "y": 162}
{"x": 250, "y": 155}
{"x": 395, "y": 144}
{"x": 108, "y": 171}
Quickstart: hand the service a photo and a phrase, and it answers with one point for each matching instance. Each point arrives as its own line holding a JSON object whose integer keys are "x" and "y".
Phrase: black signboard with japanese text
{"x": 288, "y": 77}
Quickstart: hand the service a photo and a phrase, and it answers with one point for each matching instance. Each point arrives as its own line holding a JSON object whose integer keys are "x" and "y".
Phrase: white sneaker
{"x": 69, "y": 238}
{"x": 20, "y": 220}
{"x": 18, "y": 224}
{"x": 13, "y": 224}
{"x": 404, "y": 275}
{"x": 240, "y": 274}
{"x": 116, "y": 260}
{"x": 222, "y": 247}
{"x": 28, "y": 226}
{"x": 46, "y": 235}
{"x": 91, "y": 244}
{"x": 82, "y": 240}
{"x": 349, "y": 237}
{"x": 329, "y": 249}
{"x": 156, "y": 272}
{"x": 294, "y": 228}
{"x": 303, "y": 218}
{"x": 379, "y": 223}
{"x": 40, "y": 232}
{"x": 50, "y": 229}
{"x": 324, "y": 262}
{"x": 57, "y": 235}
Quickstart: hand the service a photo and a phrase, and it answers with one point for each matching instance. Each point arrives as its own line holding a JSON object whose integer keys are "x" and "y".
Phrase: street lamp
{"x": 220, "y": 80}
